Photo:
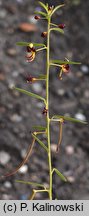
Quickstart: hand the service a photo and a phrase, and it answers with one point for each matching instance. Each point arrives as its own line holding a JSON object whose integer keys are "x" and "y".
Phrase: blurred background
{"x": 19, "y": 113}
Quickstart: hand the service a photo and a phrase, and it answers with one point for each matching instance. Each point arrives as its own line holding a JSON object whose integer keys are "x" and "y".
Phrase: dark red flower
{"x": 44, "y": 112}
{"x": 62, "y": 26}
{"x": 31, "y": 52}
{"x": 37, "y": 17}
{"x": 44, "y": 34}
{"x": 30, "y": 79}
{"x": 65, "y": 68}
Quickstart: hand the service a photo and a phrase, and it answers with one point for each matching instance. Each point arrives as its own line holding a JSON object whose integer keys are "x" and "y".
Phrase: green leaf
{"x": 44, "y": 6}
{"x": 42, "y": 76}
{"x": 56, "y": 8}
{"x": 30, "y": 94}
{"x": 40, "y": 142}
{"x": 41, "y": 13}
{"x": 27, "y": 44}
{"x": 62, "y": 177}
{"x": 69, "y": 119}
{"x": 30, "y": 183}
{"x": 65, "y": 62}
{"x": 57, "y": 29}
{"x": 40, "y": 128}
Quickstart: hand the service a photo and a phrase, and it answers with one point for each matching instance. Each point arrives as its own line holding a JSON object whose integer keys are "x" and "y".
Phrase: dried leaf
{"x": 27, "y": 27}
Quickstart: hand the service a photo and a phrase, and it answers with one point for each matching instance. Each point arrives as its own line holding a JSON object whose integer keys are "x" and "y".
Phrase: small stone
{"x": 23, "y": 153}
{"x": 16, "y": 118}
{"x": 23, "y": 169}
{"x": 71, "y": 179}
{"x": 4, "y": 157}
{"x": 32, "y": 20}
{"x": 80, "y": 116}
{"x": 61, "y": 92}
{"x": 15, "y": 73}
{"x": 84, "y": 69}
{"x": 11, "y": 84}
{"x": 69, "y": 150}
{"x": 37, "y": 87}
{"x": 23, "y": 197}
{"x": 11, "y": 52}
{"x": 27, "y": 27}
{"x": 53, "y": 147}
{"x": 86, "y": 94}
{"x": 3, "y": 13}
{"x": 7, "y": 184}
{"x": 39, "y": 104}
{"x": 2, "y": 77}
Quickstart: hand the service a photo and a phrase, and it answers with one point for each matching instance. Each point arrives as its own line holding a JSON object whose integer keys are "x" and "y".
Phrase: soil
{"x": 19, "y": 113}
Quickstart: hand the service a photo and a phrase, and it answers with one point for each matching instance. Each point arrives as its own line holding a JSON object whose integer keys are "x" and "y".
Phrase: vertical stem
{"x": 47, "y": 107}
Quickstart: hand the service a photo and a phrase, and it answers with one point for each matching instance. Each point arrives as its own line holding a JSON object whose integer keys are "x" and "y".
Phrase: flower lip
{"x": 31, "y": 52}
{"x": 65, "y": 68}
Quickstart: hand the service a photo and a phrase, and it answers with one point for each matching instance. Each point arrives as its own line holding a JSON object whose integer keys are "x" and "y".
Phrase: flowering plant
{"x": 64, "y": 66}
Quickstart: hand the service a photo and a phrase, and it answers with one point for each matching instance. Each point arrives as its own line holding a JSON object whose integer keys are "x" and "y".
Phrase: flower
{"x": 31, "y": 52}
{"x": 50, "y": 9}
{"x": 44, "y": 34}
{"x": 30, "y": 79}
{"x": 44, "y": 112}
{"x": 37, "y": 17}
{"x": 65, "y": 68}
{"x": 61, "y": 26}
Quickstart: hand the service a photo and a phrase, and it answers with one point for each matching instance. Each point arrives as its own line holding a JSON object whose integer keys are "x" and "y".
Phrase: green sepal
{"x": 40, "y": 142}
{"x": 30, "y": 183}
{"x": 69, "y": 119}
{"x": 57, "y": 29}
{"x": 27, "y": 44}
{"x": 44, "y": 6}
{"x": 56, "y": 8}
{"x": 42, "y": 76}
{"x": 41, "y": 13}
{"x": 62, "y": 177}
{"x": 39, "y": 128}
{"x": 64, "y": 62}
{"x": 30, "y": 94}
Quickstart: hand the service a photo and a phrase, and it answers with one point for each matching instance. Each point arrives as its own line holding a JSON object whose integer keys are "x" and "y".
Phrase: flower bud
{"x": 37, "y": 17}
{"x": 44, "y": 112}
{"x": 30, "y": 79}
{"x": 65, "y": 68}
{"x": 44, "y": 34}
{"x": 61, "y": 26}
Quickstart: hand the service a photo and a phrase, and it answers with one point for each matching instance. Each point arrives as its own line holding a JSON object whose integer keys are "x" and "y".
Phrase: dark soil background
{"x": 18, "y": 112}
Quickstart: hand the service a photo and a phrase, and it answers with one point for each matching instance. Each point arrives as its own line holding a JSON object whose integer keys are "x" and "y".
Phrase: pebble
{"x": 53, "y": 147}
{"x": 71, "y": 179}
{"x": 86, "y": 94}
{"x": 3, "y": 13}
{"x": 32, "y": 20}
{"x": 39, "y": 105}
{"x": 15, "y": 73}
{"x": 11, "y": 52}
{"x": 7, "y": 184}
{"x": 23, "y": 153}
{"x": 4, "y": 157}
{"x": 84, "y": 69}
{"x": 16, "y": 118}
{"x": 37, "y": 87}
{"x": 69, "y": 150}
{"x": 11, "y": 84}
{"x": 24, "y": 197}
{"x": 61, "y": 92}
{"x": 80, "y": 116}
{"x": 23, "y": 169}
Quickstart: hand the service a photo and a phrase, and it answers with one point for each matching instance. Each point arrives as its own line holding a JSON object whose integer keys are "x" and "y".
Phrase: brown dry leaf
{"x": 27, "y": 27}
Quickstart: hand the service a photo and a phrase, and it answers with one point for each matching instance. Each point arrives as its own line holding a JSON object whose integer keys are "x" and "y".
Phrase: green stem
{"x": 47, "y": 107}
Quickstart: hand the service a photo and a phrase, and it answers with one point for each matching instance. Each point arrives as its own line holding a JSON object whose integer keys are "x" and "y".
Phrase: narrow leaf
{"x": 65, "y": 62}
{"x": 30, "y": 183}
{"x": 27, "y": 44}
{"x": 30, "y": 94}
{"x": 43, "y": 5}
{"x": 57, "y": 29}
{"x": 42, "y": 76}
{"x": 40, "y": 128}
{"x": 69, "y": 119}
{"x": 40, "y": 142}
{"x": 62, "y": 177}
{"x": 56, "y": 8}
{"x": 41, "y": 13}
